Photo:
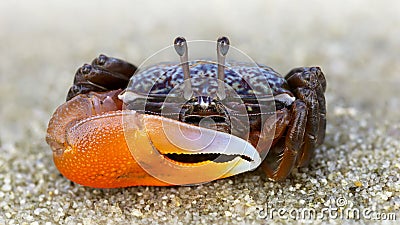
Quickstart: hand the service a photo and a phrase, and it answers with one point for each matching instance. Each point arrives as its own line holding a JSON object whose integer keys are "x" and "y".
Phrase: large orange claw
{"x": 97, "y": 144}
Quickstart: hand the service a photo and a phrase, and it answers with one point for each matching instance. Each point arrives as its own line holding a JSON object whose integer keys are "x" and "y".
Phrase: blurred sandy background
{"x": 356, "y": 43}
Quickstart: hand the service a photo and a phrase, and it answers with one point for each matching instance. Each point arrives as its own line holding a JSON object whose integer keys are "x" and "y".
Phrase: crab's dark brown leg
{"x": 105, "y": 73}
{"x": 322, "y": 104}
{"x": 282, "y": 158}
{"x": 308, "y": 85}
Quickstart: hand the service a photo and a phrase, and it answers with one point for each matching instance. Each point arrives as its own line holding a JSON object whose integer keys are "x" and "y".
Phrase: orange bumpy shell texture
{"x": 98, "y": 156}
{"x": 93, "y": 152}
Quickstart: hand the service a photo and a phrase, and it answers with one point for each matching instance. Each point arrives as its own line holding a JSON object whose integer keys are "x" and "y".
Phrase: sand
{"x": 355, "y": 170}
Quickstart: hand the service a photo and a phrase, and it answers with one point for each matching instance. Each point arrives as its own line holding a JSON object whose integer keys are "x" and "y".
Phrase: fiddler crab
{"x": 186, "y": 122}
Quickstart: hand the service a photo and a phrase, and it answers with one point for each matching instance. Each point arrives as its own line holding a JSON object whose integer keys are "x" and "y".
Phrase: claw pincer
{"x": 97, "y": 144}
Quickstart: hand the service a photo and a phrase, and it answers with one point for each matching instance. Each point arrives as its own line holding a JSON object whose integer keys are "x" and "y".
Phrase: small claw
{"x": 124, "y": 148}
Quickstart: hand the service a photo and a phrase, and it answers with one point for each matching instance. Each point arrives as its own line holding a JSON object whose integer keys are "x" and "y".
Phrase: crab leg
{"x": 309, "y": 85}
{"x": 114, "y": 65}
{"x": 97, "y": 144}
{"x": 105, "y": 73}
{"x": 287, "y": 151}
{"x": 312, "y": 125}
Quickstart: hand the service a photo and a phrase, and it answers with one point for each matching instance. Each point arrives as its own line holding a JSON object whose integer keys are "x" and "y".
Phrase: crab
{"x": 186, "y": 123}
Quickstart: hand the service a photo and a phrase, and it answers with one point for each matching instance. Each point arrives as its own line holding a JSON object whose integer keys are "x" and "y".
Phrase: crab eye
{"x": 86, "y": 69}
{"x": 180, "y": 45}
{"x": 181, "y": 49}
{"x": 223, "y": 45}
{"x": 222, "y": 50}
